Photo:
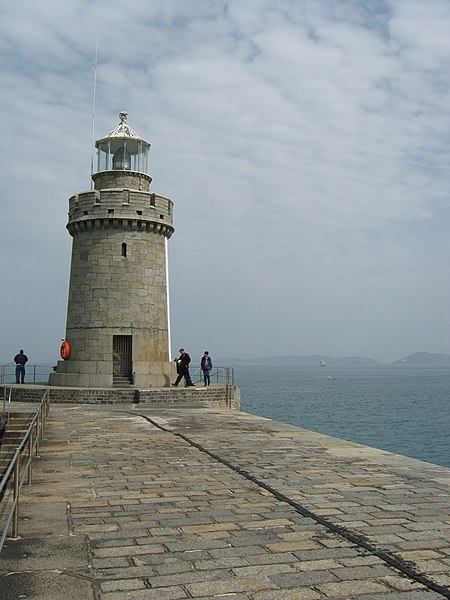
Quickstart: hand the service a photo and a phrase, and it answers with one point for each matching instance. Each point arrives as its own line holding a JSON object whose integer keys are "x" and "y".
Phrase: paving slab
{"x": 164, "y": 503}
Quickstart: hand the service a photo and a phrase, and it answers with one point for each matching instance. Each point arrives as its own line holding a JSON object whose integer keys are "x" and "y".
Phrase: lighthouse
{"x": 117, "y": 330}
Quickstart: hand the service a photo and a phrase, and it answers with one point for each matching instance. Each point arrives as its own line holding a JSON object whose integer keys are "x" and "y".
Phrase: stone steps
{"x": 122, "y": 381}
{"x": 15, "y": 429}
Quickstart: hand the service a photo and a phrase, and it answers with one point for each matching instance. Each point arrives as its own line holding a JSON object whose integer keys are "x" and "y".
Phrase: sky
{"x": 304, "y": 143}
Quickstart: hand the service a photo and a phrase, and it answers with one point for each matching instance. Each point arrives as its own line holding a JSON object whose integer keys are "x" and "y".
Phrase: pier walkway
{"x": 134, "y": 503}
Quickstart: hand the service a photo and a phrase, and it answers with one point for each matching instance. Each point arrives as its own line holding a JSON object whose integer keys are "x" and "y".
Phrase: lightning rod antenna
{"x": 93, "y": 110}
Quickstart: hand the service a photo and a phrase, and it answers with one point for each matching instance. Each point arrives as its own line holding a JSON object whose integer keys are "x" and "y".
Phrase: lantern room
{"x": 122, "y": 150}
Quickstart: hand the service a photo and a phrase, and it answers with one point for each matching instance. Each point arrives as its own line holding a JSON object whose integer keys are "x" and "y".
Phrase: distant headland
{"x": 417, "y": 359}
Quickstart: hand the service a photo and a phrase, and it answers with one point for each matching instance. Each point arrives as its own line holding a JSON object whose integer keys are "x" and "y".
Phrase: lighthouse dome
{"x": 122, "y": 149}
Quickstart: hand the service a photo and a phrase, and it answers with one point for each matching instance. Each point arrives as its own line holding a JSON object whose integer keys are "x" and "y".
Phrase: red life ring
{"x": 65, "y": 350}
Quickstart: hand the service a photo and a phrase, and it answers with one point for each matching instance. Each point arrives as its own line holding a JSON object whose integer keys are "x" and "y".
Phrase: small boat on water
{"x": 322, "y": 363}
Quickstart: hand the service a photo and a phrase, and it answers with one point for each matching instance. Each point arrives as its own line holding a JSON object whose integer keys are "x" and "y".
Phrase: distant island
{"x": 424, "y": 359}
{"x": 418, "y": 359}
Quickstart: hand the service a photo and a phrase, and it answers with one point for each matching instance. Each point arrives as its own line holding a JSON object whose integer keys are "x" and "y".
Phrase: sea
{"x": 402, "y": 409}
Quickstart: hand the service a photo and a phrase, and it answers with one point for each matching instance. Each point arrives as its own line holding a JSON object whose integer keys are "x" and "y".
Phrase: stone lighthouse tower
{"x": 117, "y": 329}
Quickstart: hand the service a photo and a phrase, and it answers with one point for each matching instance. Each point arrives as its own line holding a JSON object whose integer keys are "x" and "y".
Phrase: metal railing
{"x": 224, "y": 375}
{"x": 20, "y": 468}
{"x": 40, "y": 373}
{"x": 34, "y": 373}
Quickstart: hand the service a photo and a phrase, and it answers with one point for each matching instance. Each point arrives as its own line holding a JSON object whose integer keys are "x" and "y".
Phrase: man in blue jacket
{"x": 206, "y": 366}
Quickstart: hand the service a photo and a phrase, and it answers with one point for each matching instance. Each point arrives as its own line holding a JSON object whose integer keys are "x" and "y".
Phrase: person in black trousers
{"x": 183, "y": 369}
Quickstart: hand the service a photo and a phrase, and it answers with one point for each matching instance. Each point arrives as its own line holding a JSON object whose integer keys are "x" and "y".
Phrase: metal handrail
{"x": 29, "y": 444}
{"x": 34, "y": 373}
{"x": 217, "y": 374}
{"x": 5, "y": 394}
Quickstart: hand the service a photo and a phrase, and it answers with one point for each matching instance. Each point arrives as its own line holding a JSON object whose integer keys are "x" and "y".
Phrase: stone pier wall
{"x": 220, "y": 396}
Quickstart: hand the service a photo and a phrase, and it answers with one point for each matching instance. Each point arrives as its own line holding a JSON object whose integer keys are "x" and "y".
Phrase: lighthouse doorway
{"x": 123, "y": 362}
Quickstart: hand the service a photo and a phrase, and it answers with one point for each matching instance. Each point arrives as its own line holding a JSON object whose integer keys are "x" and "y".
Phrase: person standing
{"x": 183, "y": 369}
{"x": 20, "y": 360}
{"x": 206, "y": 366}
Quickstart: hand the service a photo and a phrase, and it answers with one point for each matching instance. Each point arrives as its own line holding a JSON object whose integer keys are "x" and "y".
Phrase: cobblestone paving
{"x": 121, "y": 509}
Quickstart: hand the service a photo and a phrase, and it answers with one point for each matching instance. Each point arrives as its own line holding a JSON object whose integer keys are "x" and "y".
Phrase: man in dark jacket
{"x": 20, "y": 360}
{"x": 183, "y": 369}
